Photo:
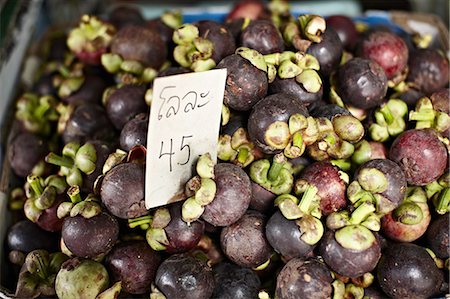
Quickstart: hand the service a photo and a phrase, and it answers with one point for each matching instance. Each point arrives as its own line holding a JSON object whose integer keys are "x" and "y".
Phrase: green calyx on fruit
{"x": 312, "y": 27}
{"x": 355, "y": 237}
{"x": 88, "y": 207}
{"x": 201, "y": 190}
{"x": 91, "y": 35}
{"x": 275, "y": 177}
{"x": 427, "y": 117}
{"x": 305, "y": 212}
{"x": 37, "y": 113}
{"x": 74, "y": 161}
{"x": 41, "y": 194}
{"x": 38, "y": 273}
{"x": 237, "y": 148}
{"x": 192, "y": 51}
{"x": 389, "y": 120}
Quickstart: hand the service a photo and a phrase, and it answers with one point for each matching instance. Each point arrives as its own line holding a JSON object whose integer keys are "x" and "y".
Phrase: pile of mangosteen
{"x": 332, "y": 177}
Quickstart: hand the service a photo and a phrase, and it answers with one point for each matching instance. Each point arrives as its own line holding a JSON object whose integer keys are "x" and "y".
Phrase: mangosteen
{"x": 122, "y": 190}
{"x": 245, "y": 84}
{"x": 388, "y": 50}
{"x": 428, "y": 70}
{"x": 421, "y": 155}
{"x": 268, "y": 122}
{"x": 232, "y": 198}
{"x": 140, "y": 44}
{"x": 125, "y": 103}
{"x": 304, "y": 278}
{"x": 262, "y": 36}
{"x": 244, "y": 242}
{"x": 328, "y": 51}
{"x": 407, "y": 270}
{"x": 25, "y": 151}
{"x": 361, "y": 83}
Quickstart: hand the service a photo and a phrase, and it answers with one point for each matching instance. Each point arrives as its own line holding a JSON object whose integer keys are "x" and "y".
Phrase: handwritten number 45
{"x": 184, "y": 148}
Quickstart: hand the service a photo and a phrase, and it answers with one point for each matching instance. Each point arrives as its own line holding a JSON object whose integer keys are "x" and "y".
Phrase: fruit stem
{"x": 362, "y": 212}
{"x": 277, "y": 165}
{"x": 307, "y": 201}
{"x": 243, "y": 154}
{"x": 74, "y": 194}
{"x": 35, "y": 183}
{"x": 443, "y": 202}
{"x": 140, "y": 221}
{"x": 62, "y": 161}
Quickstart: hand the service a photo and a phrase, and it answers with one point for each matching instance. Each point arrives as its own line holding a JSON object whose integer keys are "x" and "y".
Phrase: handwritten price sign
{"x": 184, "y": 124}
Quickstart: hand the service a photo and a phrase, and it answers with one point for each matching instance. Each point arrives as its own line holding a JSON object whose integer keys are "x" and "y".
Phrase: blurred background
{"x": 60, "y": 11}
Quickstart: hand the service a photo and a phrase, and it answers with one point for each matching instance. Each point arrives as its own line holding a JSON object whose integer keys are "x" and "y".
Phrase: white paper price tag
{"x": 184, "y": 124}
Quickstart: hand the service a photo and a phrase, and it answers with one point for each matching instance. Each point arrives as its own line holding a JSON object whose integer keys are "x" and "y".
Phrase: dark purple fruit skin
{"x": 262, "y": 199}
{"x": 296, "y": 90}
{"x": 222, "y": 40}
{"x": 182, "y": 236}
{"x": 165, "y": 32}
{"x": 428, "y": 70}
{"x": 125, "y": 15}
{"x": 410, "y": 97}
{"x": 235, "y": 282}
{"x": 135, "y": 264}
{"x": 25, "y": 236}
{"x": 90, "y": 237}
{"x": 420, "y": 154}
{"x": 273, "y": 108}
{"x": 387, "y": 49}
{"x": 440, "y": 100}
{"x": 345, "y": 29}
{"x": 244, "y": 242}
{"x": 88, "y": 121}
{"x": 183, "y": 276}
{"x": 125, "y": 103}
{"x": 328, "y": 52}
{"x": 134, "y": 132}
{"x": 374, "y": 293}
{"x": 329, "y": 111}
{"x": 25, "y": 151}
{"x": 140, "y": 44}
{"x": 91, "y": 91}
{"x": 361, "y": 83}
{"x": 173, "y": 70}
{"x": 330, "y": 187}
{"x": 262, "y": 36}
{"x": 285, "y": 237}
{"x": 49, "y": 220}
{"x": 348, "y": 262}
{"x": 232, "y": 198}
{"x": 304, "y": 278}
{"x": 245, "y": 84}
{"x": 122, "y": 191}
{"x": 395, "y": 176}
{"x": 437, "y": 236}
{"x": 407, "y": 270}
{"x": 237, "y": 120}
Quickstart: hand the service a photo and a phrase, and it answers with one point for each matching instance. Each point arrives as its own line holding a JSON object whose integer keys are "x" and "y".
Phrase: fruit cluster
{"x": 332, "y": 178}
